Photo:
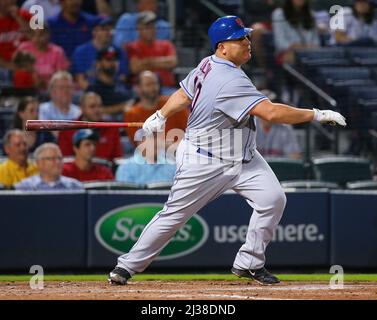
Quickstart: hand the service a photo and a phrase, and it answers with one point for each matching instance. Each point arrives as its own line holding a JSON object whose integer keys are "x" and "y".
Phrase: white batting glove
{"x": 329, "y": 116}
{"x": 155, "y": 123}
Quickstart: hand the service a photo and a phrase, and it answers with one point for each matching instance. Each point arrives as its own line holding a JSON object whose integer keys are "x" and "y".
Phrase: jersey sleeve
{"x": 188, "y": 85}
{"x": 237, "y": 97}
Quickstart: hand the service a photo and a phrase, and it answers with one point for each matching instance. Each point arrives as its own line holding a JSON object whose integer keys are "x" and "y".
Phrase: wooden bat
{"x": 57, "y": 125}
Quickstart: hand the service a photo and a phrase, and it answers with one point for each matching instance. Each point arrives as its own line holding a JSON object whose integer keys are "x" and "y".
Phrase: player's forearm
{"x": 177, "y": 102}
{"x": 283, "y": 113}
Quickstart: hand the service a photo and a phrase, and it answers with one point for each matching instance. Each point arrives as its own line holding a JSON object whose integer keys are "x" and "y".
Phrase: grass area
{"x": 191, "y": 277}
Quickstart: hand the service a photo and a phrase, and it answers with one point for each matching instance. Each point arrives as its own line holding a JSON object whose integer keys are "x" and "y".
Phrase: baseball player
{"x": 223, "y": 102}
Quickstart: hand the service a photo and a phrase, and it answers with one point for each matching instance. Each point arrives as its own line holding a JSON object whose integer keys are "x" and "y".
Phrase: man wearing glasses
{"x": 49, "y": 161}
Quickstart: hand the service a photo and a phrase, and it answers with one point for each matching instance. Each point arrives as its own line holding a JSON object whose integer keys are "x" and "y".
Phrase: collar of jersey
{"x": 216, "y": 59}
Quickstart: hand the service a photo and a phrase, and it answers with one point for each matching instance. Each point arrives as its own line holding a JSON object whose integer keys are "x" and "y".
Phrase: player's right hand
{"x": 329, "y": 116}
{"x": 155, "y": 123}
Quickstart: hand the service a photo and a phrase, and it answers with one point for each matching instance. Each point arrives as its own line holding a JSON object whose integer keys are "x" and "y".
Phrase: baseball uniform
{"x": 217, "y": 154}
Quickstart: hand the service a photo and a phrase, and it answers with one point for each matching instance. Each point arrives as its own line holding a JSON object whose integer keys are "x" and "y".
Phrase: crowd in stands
{"x": 89, "y": 63}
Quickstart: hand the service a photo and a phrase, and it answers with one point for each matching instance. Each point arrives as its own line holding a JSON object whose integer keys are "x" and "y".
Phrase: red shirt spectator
{"x": 95, "y": 173}
{"x": 83, "y": 168}
{"x": 108, "y": 145}
{"x": 148, "y": 53}
{"x": 158, "y": 48}
{"x": 11, "y": 33}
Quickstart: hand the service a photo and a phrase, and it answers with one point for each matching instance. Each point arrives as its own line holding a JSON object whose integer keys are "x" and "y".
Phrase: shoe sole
{"x": 117, "y": 281}
{"x": 256, "y": 280}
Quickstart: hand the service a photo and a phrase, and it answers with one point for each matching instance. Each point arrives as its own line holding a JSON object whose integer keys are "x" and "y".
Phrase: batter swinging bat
{"x": 57, "y": 125}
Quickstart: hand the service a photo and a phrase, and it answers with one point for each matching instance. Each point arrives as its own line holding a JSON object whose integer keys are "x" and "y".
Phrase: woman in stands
{"x": 294, "y": 28}
{"x": 28, "y": 110}
{"x": 360, "y": 26}
{"x": 50, "y": 57}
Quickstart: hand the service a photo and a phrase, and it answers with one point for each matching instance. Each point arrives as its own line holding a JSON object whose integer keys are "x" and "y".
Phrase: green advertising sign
{"x": 119, "y": 229}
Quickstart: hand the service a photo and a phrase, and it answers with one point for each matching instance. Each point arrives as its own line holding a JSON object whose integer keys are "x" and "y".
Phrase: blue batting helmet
{"x": 225, "y": 29}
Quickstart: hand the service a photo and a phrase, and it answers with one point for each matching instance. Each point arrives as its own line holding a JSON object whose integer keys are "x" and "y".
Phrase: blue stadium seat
{"x": 362, "y": 101}
{"x": 342, "y": 169}
{"x": 333, "y": 75}
{"x": 287, "y": 169}
{"x": 363, "y": 56}
{"x": 309, "y": 184}
{"x": 109, "y": 185}
{"x": 322, "y": 57}
{"x": 362, "y": 185}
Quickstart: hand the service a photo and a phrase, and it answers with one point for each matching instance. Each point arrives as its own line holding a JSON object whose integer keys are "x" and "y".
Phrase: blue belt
{"x": 210, "y": 155}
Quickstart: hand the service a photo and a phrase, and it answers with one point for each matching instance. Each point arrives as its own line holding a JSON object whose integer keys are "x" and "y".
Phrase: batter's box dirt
{"x": 186, "y": 290}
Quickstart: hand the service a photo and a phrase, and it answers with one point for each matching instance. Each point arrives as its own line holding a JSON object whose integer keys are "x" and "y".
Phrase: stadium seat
{"x": 159, "y": 185}
{"x": 363, "y": 56}
{"x": 351, "y": 75}
{"x": 362, "y": 185}
{"x": 109, "y": 185}
{"x": 362, "y": 101}
{"x": 287, "y": 169}
{"x": 309, "y": 184}
{"x": 341, "y": 169}
{"x": 374, "y": 73}
{"x": 334, "y": 56}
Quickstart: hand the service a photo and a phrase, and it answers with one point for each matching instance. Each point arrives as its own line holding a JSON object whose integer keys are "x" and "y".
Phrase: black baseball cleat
{"x": 119, "y": 276}
{"x": 262, "y": 276}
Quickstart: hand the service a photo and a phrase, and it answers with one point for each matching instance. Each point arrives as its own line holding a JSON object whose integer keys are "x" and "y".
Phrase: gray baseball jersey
{"x": 222, "y": 96}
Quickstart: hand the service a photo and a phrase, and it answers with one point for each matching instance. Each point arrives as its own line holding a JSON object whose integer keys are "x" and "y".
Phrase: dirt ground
{"x": 186, "y": 290}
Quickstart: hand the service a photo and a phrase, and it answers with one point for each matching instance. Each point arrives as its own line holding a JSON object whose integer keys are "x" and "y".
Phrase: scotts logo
{"x": 239, "y": 22}
{"x": 119, "y": 229}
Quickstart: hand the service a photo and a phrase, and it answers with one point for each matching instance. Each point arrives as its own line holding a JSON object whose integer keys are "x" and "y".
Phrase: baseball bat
{"x": 57, "y": 125}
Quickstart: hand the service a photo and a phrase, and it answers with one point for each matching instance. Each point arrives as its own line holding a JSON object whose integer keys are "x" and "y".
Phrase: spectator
{"x": 113, "y": 92}
{"x": 50, "y": 7}
{"x": 126, "y": 27}
{"x": 83, "y": 169}
{"x": 147, "y": 53}
{"x": 108, "y": 145}
{"x": 71, "y": 27}
{"x": 84, "y": 56}
{"x": 17, "y": 167}
{"x": 28, "y": 110}
{"x": 60, "y": 107}
{"x": 148, "y": 165}
{"x": 294, "y": 28}
{"x": 148, "y": 102}
{"x": 360, "y": 25}
{"x": 50, "y": 58}
{"x": 276, "y": 140}
{"x": 24, "y": 74}
{"x": 50, "y": 163}
{"x": 13, "y": 28}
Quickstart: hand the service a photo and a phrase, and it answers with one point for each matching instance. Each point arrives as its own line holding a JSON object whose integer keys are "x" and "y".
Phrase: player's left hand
{"x": 329, "y": 116}
{"x": 155, "y": 123}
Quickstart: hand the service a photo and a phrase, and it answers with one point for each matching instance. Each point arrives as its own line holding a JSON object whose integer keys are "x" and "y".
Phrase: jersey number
{"x": 198, "y": 88}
